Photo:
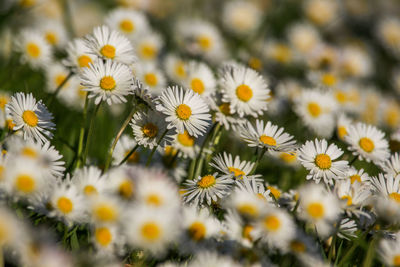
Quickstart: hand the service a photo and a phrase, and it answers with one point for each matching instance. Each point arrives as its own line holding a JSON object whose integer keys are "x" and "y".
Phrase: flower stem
{"x": 353, "y": 160}
{"x": 128, "y": 155}
{"x": 60, "y": 86}
{"x": 90, "y": 133}
{"x": 155, "y": 148}
{"x": 259, "y": 157}
{"x": 82, "y": 133}
{"x": 121, "y": 130}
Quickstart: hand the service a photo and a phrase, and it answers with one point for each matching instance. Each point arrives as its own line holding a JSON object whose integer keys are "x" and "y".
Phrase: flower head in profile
{"x": 31, "y": 117}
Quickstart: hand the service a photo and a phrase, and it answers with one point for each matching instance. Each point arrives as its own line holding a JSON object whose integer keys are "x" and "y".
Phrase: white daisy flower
{"x": 245, "y": 203}
{"x": 237, "y": 229}
{"x": 107, "y": 239}
{"x": 275, "y": 227}
{"x": 207, "y": 258}
{"x": 388, "y": 31}
{"x": 54, "y": 32}
{"x": 342, "y": 125}
{"x": 68, "y": 203}
{"x": 185, "y": 144}
{"x": 78, "y": 56}
{"x": 175, "y": 68}
{"x": 128, "y": 21}
{"x": 355, "y": 61}
{"x": 110, "y": 81}
{"x": 303, "y": 37}
{"x": 105, "y": 209}
{"x": 353, "y": 195}
{"x": 13, "y": 231}
{"x": 278, "y": 52}
{"x": 152, "y": 230}
{"x": 319, "y": 207}
{"x": 321, "y": 12}
{"x": 241, "y": 17}
{"x": 149, "y": 45}
{"x": 109, "y": 44}
{"x": 227, "y": 165}
{"x": 269, "y": 136}
{"x": 245, "y": 90}
{"x": 120, "y": 182}
{"x": 391, "y": 166}
{"x": 316, "y": 109}
{"x": 124, "y": 145}
{"x": 254, "y": 186}
{"x": 199, "y": 78}
{"x": 355, "y": 175}
{"x": 148, "y": 128}
{"x": 89, "y": 181}
{"x": 389, "y": 250}
{"x": 185, "y": 110}
{"x": 31, "y": 117}
{"x": 56, "y": 74}
{"x": 207, "y": 188}
{"x": 152, "y": 78}
{"x": 34, "y": 48}
{"x": 367, "y": 142}
{"x": 321, "y": 160}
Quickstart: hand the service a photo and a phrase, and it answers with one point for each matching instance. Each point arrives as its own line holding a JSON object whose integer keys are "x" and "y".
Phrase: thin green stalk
{"x": 128, "y": 155}
{"x": 353, "y": 160}
{"x": 155, "y": 148}
{"x": 82, "y": 133}
{"x": 121, "y": 130}
{"x": 259, "y": 157}
{"x": 332, "y": 250}
{"x": 58, "y": 89}
{"x": 90, "y": 133}
{"x": 370, "y": 252}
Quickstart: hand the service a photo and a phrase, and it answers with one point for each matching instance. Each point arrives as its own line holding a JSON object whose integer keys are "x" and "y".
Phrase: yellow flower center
{"x": 90, "y": 190}
{"x": 151, "y": 231}
{"x": 246, "y": 231}
{"x": 126, "y": 189}
{"x": 395, "y": 196}
{"x": 244, "y": 93}
{"x": 354, "y": 178}
{"x": 342, "y": 131}
{"x": 185, "y": 139}
{"x": 274, "y": 191}
{"x": 297, "y": 246}
{"x": 248, "y": 210}
{"x": 59, "y": 79}
{"x": 107, "y": 83}
{"x": 366, "y": 144}
{"x": 134, "y": 157}
{"x": 272, "y": 223}
{"x": 150, "y": 130}
{"x": 150, "y": 79}
{"x": 105, "y": 213}
{"x": 282, "y": 53}
{"x": 237, "y": 172}
{"x": 108, "y": 51}
{"x": 51, "y": 38}
{"x": 148, "y": 51}
{"x": 255, "y": 63}
{"x": 103, "y": 236}
{"x": 341, "y": 96}
{"x": 396, "y": 260}
{"x": 1, "y": 172}
{"x": 29, "y": 152}
{"x": 65, "y": 205}
{"x": 206, "y": 181}
{"x": 287, "y": 157}
{"x": 84, "y": 60}
{"x": 3, "y": 102}
{"x": 10, "y": 124}
{"x": 225, "y": 109}
{"x": 153, "y": 199}
{"x": 30, "y": 118}
{"x": 25, "y": 183}
{"x": 314, "y": 109}
{"x": 127, "y": 26}
{"x": 349, "y": 200}
{"x": 197, "y": 231}
{"x": 316, "y": 210}
{"x": 183, "y": 112}
{"x": 33, "y": 50}
{"x": 180, "y": 69}
{"x": 204, "y": 42}
{"x": 197, "y": 85}
{"x": 267, "y": 140}
{"x": 323, "y": 161}
{"x": 329, "y": 79}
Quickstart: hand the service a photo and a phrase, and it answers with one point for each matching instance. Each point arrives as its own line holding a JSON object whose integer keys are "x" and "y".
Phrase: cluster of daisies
{"x": 221, "y": 158}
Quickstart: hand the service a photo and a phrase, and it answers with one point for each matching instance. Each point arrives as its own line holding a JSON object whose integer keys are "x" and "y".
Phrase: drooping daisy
{"x": 353, "y": 195}
{"x": 245, "y": 90}
{"x": 151, "y": 77}
{"x": 120, "y": 182}
{"x": 31, "y": 117}
{"x": 148, "y": 46}
{"x": 68, "y": 203}
{"x": 78, "y": 56}
{"x": 148, "y": 128}
{"x": 110, "y": 45}
{"x": 391, "y": 166}
{"x": 152, "y": 229}
{"x": 89, "y": 181}
{"x": 355, "y": 175}
{"x": 316, "y": 110}
{"x": 124, "y": 145}
{"x": 275, "y": 227}
{"x": 342, "y": 126}
{"x": 268, "y": 136}
{"x": 254, "y": 186}
{"x": 185, "y": 144}
{"x": 56, "y": 74}
{"x": 241, "y": 17}
{"x": 199, "y": 78}
{"x": 175, "y": 68}
{"x": 319, "y": 207}
{"x": 367, "y": 142}
{"x": 185, "y": 110}
{"x": 128, "y": 21}
{"x": 226, "y": 164}
{"x": 110, "y": 81}
{"x": 207, "y": 188}
{"x": 34, "y": 48}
